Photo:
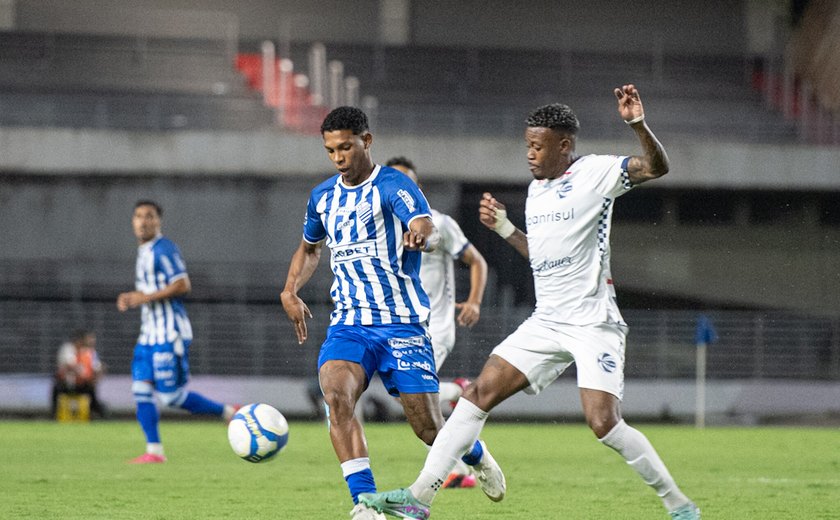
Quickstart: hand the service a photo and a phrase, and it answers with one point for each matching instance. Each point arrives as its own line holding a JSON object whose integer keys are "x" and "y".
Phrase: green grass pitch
{"x": 69, "y": 471}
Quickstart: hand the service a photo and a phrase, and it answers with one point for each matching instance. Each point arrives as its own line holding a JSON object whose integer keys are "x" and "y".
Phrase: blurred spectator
{"x": 79, "y": 369}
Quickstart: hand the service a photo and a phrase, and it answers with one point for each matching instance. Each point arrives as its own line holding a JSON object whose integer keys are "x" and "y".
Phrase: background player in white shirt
{"x": 437, "y": 274}
{"x": 375, "y": 222}
{"x": 576, "y": 320}
{"x": 161, "y": 357}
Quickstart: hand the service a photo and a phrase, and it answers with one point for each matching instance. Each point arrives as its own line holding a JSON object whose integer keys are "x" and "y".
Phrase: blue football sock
{"x": 198, "y": 404}
{"x": 147, "y": 416}
{"x": 474, "y": 456}
{"x": 360, "y": 482}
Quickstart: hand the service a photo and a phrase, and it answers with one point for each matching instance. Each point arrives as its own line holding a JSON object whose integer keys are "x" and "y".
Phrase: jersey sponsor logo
{"x": 351, "y": 252}
{"x": 408, "y": 199}
{"x": 364, "y": 212}
{"x": 344, "y": 211}
{"x": 345, "y": 223}
{"x": 563, "y": 190}
{"x": 607, "y": 363}
{"x": 552, "y": 263}
{"x": 553, "y": 216}
{"x": 413, "y": 341}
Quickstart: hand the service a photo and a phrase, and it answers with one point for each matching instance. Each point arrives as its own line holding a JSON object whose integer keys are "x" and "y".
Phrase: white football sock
{"x": 449, "y": 392}
{"x": 460, "y": 468}
{"x": 154, "y": 448}
{"x": 642, "y": 457}
{"x": 228, "y": 412}
{"x": 455, "y": 439}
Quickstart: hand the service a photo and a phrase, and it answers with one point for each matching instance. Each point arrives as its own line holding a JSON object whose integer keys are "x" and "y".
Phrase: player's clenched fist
{"x": 493, "y": 214}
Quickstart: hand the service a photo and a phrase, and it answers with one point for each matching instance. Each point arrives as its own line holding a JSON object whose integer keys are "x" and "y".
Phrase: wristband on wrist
{"x": 635, "y": 120}
{"x": 503, "y": 227}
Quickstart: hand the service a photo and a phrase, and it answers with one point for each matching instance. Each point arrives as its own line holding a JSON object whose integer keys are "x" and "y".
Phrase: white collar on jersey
{"x": 150, "y": 243}
{"x": 372, "y": 176}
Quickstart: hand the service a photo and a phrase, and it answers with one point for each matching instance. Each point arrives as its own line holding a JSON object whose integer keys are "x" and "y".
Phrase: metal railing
{"x": 256, "y": 339}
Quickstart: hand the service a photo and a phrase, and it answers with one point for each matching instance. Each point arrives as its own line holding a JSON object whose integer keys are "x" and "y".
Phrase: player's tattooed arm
{"x": 654, "y": 163}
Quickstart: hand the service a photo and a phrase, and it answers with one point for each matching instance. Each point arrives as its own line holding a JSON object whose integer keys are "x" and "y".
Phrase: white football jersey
{"x": 437, "y": 274}
{"x": 568, "y": 222}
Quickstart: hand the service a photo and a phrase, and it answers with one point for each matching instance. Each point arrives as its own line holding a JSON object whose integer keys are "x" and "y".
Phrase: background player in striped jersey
{"x": 437, "y": 274}
{"x": 161, "y": 356}
{"x": 376, "y": 222}
{"x": 576, "y": 320}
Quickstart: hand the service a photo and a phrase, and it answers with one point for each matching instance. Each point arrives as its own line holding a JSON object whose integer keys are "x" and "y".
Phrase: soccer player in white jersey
{"x": 437, "y": 274}
{"x": 375, "y": 222}
{"x": 161, "y": 356}
{"x": 576, "y": 320}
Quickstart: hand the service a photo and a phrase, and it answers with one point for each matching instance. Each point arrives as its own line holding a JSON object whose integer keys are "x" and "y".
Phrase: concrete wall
{"x": 695, "y": 162}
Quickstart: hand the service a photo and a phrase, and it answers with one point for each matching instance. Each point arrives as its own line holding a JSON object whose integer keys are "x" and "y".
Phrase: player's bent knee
{"x": 172, "y": 399}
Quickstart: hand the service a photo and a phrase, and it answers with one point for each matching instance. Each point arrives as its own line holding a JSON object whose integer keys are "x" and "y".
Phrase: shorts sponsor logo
{"x": 351, "y": 252}
{"x": 403, "y": 365}
{"x": 425, "y": 365}
{"x": 412, "y": 341}
{"x": 427, "y": 377}
{"x": 607, "y": 363}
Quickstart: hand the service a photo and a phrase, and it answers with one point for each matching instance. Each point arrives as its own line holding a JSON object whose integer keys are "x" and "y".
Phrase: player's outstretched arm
{"x": 422, "y": 235}
{"x": 304, "y": 262}
{"x": 654, "y": 163}
{"x": 470, "y": 310}
{"x": 493, "y": 215}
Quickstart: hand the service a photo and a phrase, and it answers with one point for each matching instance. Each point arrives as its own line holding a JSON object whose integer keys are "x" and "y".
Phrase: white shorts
{"x": 543, "y": 350}
{"x": 443, "y": 341}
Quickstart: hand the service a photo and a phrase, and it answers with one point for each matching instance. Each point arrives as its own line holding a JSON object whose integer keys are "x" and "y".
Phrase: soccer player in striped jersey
{"x": 375, "y": 222}
{"x": 568, "y": 216}
{"x": 437, "y": 273}
{"x": 161, "y": 356}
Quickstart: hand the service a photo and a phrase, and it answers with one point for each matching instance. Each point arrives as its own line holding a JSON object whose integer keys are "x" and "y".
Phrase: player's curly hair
{"x": 401, "y": 161}
{"x": 556, "y": 116}
{"x": 345, "y": 118}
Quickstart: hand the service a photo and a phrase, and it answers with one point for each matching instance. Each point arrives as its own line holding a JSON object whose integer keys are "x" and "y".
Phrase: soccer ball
{"x": 258, "y": 432}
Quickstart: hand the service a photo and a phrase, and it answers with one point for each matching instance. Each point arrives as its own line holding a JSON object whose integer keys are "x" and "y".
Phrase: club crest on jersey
{"x": 407, "y": 199}
{"x": 563, "y": 190}
{"x": 364, "y": 212}
{"x": 607, "y": 363}
{"x": 351, "y": 252}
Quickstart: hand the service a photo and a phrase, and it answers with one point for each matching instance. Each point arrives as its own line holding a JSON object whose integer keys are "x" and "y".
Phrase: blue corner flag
{"x": 705, "y": 333}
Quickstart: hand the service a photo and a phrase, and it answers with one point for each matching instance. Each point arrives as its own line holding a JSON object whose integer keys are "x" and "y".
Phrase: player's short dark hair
{"x": 346, "y": 118}
{"x": 556, "y": 116}
{"x": 401, "y": 161}
{"x": 147, "y": 202}
{"x": 80, "y": 334}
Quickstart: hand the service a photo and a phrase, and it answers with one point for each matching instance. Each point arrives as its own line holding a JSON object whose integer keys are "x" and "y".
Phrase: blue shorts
{"x": 401, "y": 353}
{"x": 167, "y": 365}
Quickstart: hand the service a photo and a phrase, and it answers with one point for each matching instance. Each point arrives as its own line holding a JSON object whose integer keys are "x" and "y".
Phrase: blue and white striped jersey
{"x": 376, "y": 280}
{"x": 159, "y": 263}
